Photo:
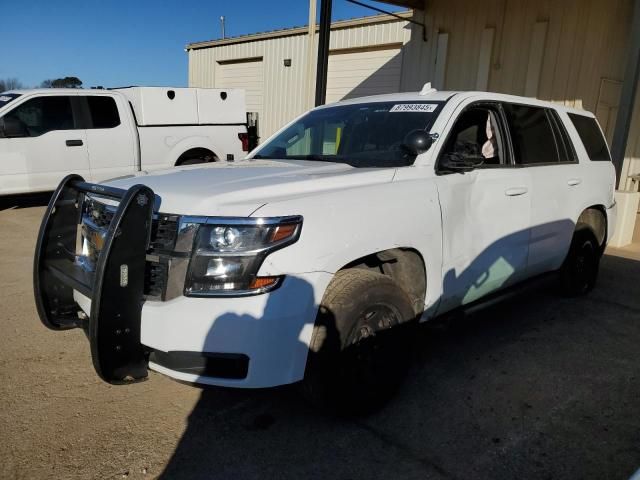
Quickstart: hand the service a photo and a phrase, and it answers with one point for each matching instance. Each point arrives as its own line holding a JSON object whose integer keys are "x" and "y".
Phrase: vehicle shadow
{"x": 29, "y": 200}
{"x": 539, "y": 386}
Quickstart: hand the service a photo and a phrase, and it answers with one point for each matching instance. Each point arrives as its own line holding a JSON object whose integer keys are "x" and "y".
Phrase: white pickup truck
{"x": 311, "y": 261}
{"x": 46, "y": 134}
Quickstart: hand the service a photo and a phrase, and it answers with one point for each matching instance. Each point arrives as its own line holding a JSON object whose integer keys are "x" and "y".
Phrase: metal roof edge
{"x": 288, "y": 32}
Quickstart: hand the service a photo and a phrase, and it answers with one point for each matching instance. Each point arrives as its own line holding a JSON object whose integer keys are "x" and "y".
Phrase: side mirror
{"x": 456, "y": 162}
{"x": 11, "y": 127}
{"x": 418, "y": 141}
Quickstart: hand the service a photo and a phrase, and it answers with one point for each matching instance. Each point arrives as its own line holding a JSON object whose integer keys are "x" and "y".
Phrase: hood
{"x": 239, "y": 189}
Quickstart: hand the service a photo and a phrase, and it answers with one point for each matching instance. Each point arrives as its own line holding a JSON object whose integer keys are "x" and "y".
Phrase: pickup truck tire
{"x": 579, "y": 271}
{"x": 359, "y": 350}
{"x": 196, "y": 156}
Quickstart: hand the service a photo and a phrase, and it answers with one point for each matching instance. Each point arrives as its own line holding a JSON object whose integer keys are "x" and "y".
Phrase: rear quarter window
{"x": 591, "y": 136}
{"x": 104, "y": 112}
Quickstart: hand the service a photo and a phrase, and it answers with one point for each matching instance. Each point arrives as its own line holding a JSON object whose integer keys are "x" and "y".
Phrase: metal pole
{"x": 628, "y": 95}
{"x": 222, "y": 26}
{"x": 323, "y": 51}
{"x": 311, "y": 38}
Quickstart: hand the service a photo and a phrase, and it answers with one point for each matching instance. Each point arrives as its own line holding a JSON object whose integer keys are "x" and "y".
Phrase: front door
{"x": 45, "y": 144}
{"x": 485, "y": 212}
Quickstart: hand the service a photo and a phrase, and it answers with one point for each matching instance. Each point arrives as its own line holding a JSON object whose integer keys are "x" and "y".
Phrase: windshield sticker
{"x": 4, "y": 98}
{"x": 414, "y": 107}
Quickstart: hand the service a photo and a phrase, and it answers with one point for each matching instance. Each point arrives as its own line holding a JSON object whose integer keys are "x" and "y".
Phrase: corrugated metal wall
{"x": 582, "y": 53}
{"x": 285, "y": 88}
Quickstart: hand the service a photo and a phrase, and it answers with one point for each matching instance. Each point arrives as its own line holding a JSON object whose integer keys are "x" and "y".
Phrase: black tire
{"x": 360, "y": 349}
{"x": 195, "y": 157}
{"x": 579, "y": 271}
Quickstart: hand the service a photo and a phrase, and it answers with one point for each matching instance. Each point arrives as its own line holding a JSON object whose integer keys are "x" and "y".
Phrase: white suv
{"x": 306, "y": 262}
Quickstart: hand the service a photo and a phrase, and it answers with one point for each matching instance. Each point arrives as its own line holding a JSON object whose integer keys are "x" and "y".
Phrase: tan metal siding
{"x": 365, "y": 72}
{"x": 585, "y": 42}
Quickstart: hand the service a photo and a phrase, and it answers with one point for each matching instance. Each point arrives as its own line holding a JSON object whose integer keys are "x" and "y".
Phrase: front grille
{"x": 96, "y": 218}
{"x": 164, "y": 233}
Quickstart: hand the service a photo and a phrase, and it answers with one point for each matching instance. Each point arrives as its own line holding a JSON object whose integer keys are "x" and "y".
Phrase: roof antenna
{"x": 427, "y": 89}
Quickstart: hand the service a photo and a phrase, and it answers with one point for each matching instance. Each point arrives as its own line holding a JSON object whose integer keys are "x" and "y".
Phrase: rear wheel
{"x": 195, "y": 156}
{"x": 579, "y": 272}
{"x": 359, "y": 351}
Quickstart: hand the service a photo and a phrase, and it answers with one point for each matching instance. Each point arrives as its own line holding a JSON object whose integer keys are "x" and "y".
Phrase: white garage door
{"x": 247, "y": 74}
{"x": 363, "y": 72}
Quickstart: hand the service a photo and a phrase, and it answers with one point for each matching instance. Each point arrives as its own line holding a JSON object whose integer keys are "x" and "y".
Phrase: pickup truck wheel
{"x": 196, "y": 156}
{"x": 359, "y": 350}
{"x": 579, "y": 272}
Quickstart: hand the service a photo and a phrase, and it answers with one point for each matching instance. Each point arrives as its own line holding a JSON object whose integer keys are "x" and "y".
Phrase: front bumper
{"x": 273, "y": 330}
{"x": 251, "y": 341}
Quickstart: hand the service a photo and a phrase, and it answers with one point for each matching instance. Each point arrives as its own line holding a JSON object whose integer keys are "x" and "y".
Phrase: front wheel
{"x": 579, "y": 271}
{"x": 359, "y": 351}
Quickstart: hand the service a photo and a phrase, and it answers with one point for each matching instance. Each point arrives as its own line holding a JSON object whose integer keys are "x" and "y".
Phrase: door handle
{"x": 74, "y": 143}
{"x": 515, "y": 191}
{"x": 572, "y": 182}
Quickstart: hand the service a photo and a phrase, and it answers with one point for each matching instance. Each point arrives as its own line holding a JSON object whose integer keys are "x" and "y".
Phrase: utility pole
{"x": 323, "y": 51}
{"x": 311, "y": 50}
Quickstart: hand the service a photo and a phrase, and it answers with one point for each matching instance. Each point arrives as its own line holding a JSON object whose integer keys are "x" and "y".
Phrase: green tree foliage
{"x": 66, "y": 82}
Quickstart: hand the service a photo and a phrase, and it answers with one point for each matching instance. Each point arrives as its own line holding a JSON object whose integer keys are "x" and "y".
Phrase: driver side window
{"x": 40, "y": 115}
{"x": 477, "y": 137}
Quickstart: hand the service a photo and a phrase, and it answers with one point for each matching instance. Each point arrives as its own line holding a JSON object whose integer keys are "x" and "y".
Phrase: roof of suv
{"x": 443, "y": 96}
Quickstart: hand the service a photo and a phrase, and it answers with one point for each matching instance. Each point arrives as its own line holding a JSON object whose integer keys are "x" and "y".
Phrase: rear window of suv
{"x": 592, "y": 138}
{"x": 534, "y": 140}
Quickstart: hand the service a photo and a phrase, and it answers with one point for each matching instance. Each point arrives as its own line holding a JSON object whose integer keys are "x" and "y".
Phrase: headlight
{"x": 227, "y": 254}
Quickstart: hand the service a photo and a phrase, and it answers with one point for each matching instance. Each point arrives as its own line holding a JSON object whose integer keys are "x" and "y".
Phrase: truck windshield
{"x": 362, "y": 135}
{"x": 5, "y": 98}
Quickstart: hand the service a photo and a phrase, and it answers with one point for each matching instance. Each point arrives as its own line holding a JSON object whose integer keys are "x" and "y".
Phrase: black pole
{"x": 323, "y": 51}
{"x": 628, "y": 95}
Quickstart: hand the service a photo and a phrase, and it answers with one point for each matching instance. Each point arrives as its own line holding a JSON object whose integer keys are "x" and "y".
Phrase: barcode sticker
{"x": 414, "y": 107}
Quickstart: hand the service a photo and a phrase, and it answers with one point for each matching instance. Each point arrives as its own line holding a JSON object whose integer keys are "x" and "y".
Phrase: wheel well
{"x": 197, "y": 153}
{"x": 594, "y": 218}
{"x": 404, "y": 265}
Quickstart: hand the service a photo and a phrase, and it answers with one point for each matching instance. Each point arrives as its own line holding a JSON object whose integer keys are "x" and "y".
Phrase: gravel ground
{"x": 537, "y": 387}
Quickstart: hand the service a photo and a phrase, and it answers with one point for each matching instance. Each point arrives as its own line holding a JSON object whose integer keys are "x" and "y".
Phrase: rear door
{"x": 51, "y": 144}
{"x": 485, "y": 212}
{"x": 542, "y": 148}
{"x": 111, "y": 136}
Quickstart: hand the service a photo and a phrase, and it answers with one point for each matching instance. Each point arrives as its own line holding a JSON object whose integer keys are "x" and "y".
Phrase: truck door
{"x": 111, "y": 136}
{"x": 485, "y": 211}
{"x": 42, "y": 142}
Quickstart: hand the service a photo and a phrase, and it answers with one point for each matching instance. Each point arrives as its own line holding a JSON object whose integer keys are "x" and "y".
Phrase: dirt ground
{"x": 540, "y": 387}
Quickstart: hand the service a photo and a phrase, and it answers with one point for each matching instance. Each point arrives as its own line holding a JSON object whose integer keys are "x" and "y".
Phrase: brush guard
{"x": 115, "y": 286}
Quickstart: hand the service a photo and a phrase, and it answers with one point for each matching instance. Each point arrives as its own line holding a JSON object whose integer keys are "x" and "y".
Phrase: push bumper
{"x": 204, "y": 340}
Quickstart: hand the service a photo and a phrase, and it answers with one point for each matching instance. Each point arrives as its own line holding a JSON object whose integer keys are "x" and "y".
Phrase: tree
{"x": 10, "y": 84}
{"x": 66, "y": 82}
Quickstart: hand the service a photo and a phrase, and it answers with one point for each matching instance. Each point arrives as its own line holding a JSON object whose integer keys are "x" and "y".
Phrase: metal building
{"x": 275, "y": 67}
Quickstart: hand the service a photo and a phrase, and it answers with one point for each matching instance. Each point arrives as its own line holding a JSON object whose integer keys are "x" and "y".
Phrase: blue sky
{"x": 135, "y": 42}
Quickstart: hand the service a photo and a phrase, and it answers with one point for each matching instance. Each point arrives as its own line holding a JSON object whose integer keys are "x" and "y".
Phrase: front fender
{"x": 342, "y": 226}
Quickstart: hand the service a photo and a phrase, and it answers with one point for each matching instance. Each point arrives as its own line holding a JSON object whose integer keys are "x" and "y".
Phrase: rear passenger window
{"x": 104, "y": 112}
{"x": 532, "y": 135}
{"x": 592, "y": 138}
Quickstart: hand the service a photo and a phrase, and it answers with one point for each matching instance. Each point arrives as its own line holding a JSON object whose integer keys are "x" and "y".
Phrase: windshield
{"x": 5, "y": 98}
{"x": 361, "y": 135}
